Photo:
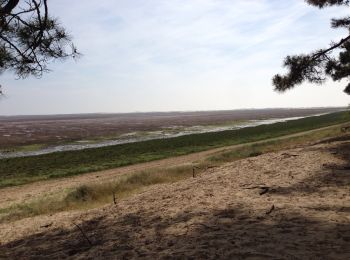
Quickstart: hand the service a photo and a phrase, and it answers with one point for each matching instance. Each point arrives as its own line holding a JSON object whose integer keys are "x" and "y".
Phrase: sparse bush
{"x": 83, "y": 193}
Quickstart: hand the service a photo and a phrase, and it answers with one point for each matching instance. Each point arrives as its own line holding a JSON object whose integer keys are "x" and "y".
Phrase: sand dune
{"x": 293, "y": 204}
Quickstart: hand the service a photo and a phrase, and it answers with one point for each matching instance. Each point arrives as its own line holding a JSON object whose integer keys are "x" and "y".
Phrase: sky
{"x": 177, "y": 55}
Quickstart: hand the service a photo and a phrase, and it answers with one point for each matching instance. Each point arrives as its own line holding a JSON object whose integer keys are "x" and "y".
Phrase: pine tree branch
{"x": 7, "y": 9}
{"x": 324, "y": 52}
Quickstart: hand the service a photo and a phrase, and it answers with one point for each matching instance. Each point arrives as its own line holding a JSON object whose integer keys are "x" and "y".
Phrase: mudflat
{"x": 56, "y": 129}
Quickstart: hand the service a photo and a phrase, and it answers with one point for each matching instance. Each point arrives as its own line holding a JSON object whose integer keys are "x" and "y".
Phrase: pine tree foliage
{"x": 30, "y": 38}
{"x": 315, "y": 67}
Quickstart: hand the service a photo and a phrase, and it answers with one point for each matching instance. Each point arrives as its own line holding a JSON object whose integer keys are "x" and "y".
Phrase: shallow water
{"x": 133, "y": 137}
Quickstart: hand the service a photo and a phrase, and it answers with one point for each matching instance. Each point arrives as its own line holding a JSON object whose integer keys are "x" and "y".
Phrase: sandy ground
{"x": 225, "y": 213}
{"x": 28, "y": 192}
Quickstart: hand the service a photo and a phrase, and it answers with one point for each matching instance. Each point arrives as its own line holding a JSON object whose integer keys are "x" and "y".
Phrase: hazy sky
{"x": 166, "y": 55}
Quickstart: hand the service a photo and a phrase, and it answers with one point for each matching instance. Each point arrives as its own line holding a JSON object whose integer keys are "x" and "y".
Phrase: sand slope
{"x": 305, "y": 214}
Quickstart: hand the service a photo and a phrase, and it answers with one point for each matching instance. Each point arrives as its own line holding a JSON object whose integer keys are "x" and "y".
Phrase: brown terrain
{"x": 55, "y": 129}
{"x": 29, "y": 192}
{"x": 293, "y": 204}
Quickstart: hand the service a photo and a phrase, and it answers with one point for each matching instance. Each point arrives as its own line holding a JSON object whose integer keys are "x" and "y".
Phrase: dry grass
{"x": 90, "y": 196}
{"x": 256, "y": 149}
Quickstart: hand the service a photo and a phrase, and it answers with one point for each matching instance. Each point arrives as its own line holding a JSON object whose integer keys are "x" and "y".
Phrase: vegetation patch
{"x": 90, "y": 196}
{"x": 256, "y": 149}
{"x": 16, "y": 171}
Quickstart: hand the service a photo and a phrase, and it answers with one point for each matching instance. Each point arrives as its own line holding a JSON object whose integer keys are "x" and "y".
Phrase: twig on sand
{"x": 287, "y": 155}
{"x": 264, "y": 190}
{"x": 256, "y": 187}
{"x": 47, "y": 225}
{"x": 114, "y": 199}
{"x": 82, "y": 232}
{"x": 208, "y": 227}
{"x": 194, "y": 170}
{"x": 270, "y": 210}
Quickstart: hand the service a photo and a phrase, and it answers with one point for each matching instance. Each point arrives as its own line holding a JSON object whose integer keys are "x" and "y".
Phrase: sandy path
{"x": 221, "y": 214}
{"x": 26, "y": 192}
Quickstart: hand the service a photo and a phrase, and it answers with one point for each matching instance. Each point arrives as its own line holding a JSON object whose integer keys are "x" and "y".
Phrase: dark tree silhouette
{"x": 314, "y": 67}
{"x": 30, "y": 38}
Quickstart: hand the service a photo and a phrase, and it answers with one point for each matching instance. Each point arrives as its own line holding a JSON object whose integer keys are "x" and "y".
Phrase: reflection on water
{"x": 132, "y": 137}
